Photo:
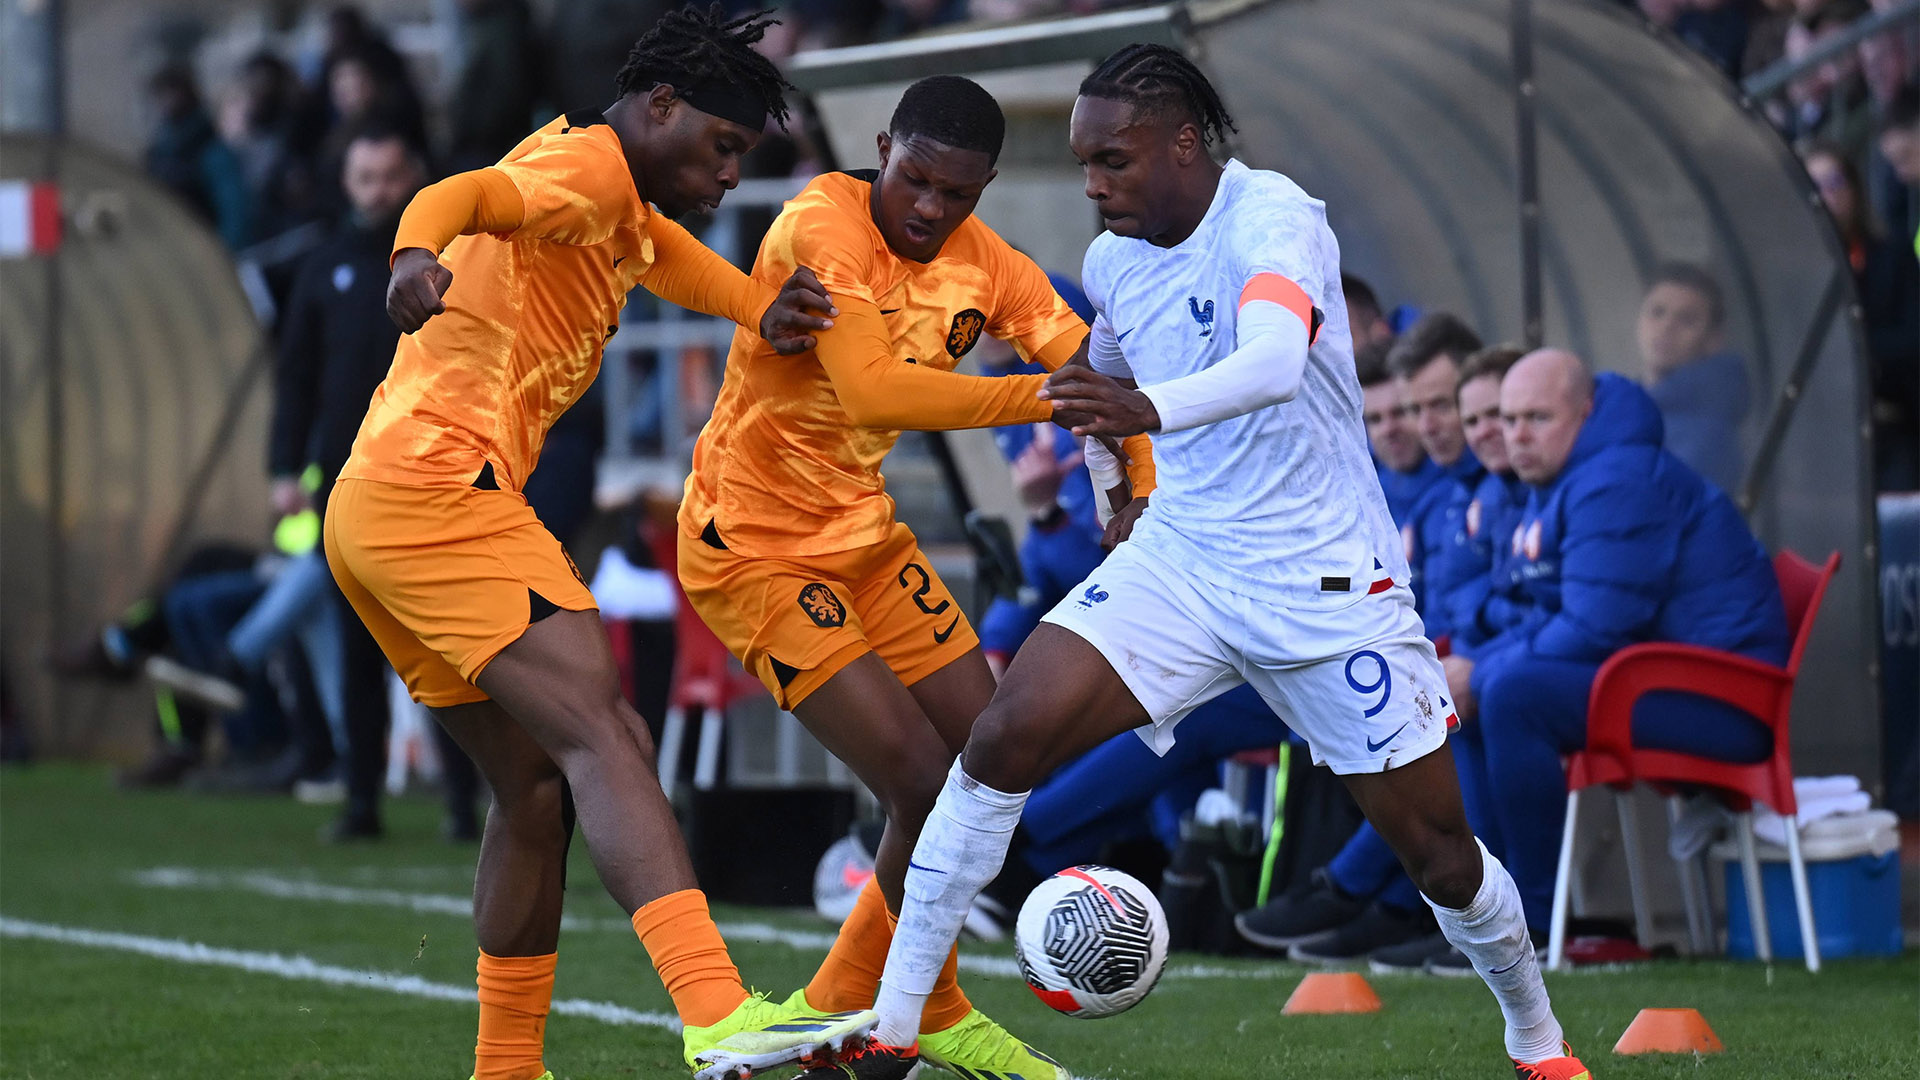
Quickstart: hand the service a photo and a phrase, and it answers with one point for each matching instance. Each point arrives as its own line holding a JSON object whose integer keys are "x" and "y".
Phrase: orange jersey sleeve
{"x": 692, "y": 275}
{"x": 790, "y": 462}
{"x": 481, "y": 201}
{"x": 1028, "y": 313}
{"x": 544, "y": 248}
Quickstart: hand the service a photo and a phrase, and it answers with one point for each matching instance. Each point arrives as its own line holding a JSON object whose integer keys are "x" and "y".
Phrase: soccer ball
{"x": 1091, "y": 941}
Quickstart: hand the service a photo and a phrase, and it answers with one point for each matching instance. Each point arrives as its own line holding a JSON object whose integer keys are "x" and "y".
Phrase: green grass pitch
{"x": 155, "y": 873}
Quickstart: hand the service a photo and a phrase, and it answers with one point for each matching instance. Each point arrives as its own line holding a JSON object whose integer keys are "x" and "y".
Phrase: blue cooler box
{"x": 1853, "y": 876}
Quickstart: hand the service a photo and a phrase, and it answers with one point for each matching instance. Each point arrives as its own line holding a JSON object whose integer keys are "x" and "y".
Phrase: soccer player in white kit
{"x": 1266, "y": 556}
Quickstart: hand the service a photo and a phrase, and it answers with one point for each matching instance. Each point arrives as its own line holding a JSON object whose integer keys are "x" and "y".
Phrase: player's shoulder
{"x": 1266, "y": 195}
{"x": 581, "y": 136}
{"x": 831, "y": 203}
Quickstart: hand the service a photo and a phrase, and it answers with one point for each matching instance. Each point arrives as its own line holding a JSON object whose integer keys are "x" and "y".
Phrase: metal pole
{"x": 1783, "y": 407}
{"x": 57, "y": 510}
{"x": 1527, "y": 167}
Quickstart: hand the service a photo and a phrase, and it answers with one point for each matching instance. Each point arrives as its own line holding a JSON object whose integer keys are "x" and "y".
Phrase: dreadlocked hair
{"x": 704, "y": 44}
{"x": 1159, "y": 78}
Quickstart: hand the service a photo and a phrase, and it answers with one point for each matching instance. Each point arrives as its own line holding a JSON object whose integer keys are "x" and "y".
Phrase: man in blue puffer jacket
{"x": 1620, "y": 543}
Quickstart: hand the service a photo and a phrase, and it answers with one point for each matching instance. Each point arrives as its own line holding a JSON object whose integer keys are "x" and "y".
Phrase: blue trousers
{"x": 1121, "y": 788}
{"x": 1535, "y": 711}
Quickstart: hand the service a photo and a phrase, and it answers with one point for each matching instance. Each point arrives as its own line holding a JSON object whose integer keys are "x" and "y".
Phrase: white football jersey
{"x": 1280, "y": 504}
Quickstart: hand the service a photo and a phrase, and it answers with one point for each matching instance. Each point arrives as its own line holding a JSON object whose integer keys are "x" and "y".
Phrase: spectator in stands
{"x": 186, "y": 155}
{"x": 1062, "y": 543}
{"x": 898, "y": 18}
{"x": 274, "y": 131}
{"x": 491, "y": 108}
{"x": 1364, "y": 315}
{"x": 1899, "y": 145}
{"x": 1700, "y": 387}
{"x": 1716, "y": 29}
{"x": 583, "y": 56}
{"x": 1489, "y": 604}
{"x": 336, "y": 344}
{"x": 1426, "y": 363}
{"x": 1830, "y": 102}
{"x": 1405, "y": 472}
{"x": 1887, "y": 65}
{"x": 362, "y": 90}
{"x": 1886, "y": 279}
{"x": 1619, "y": 543}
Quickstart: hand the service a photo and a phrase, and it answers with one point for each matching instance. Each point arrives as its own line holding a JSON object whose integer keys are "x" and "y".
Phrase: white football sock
{"x": 1492, "y": 932}
{"x": 961, "y": 849}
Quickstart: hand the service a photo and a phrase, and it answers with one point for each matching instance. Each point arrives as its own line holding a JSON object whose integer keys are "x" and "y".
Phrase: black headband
{"x": 716, "y": 97}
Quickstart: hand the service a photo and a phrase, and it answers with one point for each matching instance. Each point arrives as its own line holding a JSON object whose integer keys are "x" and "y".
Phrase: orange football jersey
{"x": 526, "y": 317}
{"x": 785, "y": 467}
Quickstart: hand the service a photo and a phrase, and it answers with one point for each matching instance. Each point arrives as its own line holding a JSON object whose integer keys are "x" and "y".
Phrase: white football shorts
{"x": 1360, "y": 682}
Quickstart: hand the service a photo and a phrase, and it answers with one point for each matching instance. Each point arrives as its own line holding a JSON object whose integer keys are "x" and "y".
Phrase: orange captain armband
{"x": 1281, "y": 290}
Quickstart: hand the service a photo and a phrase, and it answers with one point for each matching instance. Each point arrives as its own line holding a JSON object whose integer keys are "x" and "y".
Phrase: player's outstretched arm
{"x": 879, "y": 390}
{"x": 688, "y": 273}
{"x": 1276, "y": 327}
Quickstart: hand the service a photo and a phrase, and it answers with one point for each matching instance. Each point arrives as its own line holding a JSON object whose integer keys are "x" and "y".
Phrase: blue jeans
{"x": 298, "y": 604}
{"x": 1122, "y": 788}
{"x": 1535, "y": 711}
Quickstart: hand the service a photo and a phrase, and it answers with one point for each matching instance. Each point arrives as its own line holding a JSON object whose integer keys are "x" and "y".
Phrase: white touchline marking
{"x": 286, "y": 888}
{"x": 305, "y": 969}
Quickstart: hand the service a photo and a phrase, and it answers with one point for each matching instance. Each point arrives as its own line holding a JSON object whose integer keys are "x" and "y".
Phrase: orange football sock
{"x": 690, "y": 956}
{"x": 850, "y": 976}
{"x": 514, "y": 994}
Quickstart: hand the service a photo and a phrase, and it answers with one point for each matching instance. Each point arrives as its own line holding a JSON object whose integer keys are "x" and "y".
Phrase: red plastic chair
{"x": 705, "y": 677}
{"x": 1611, "y": 759}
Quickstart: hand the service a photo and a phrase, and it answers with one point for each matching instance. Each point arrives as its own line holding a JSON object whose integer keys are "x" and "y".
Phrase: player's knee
{"x": 1449, "y": 869}
{"x": 530, "y": 804}
{"x": 912, "y": 773}
{"x": 994, "y": 756}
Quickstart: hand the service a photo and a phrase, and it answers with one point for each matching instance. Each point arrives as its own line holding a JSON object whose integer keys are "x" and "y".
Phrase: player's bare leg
{"x": 518, "y": 885}
{"x": 517, "y": 888}
{"x": 559, "y": 683}
{"x": 865, "y": 717}
{"x": 901, "y": 741}
{"x": 1418, "y": 811}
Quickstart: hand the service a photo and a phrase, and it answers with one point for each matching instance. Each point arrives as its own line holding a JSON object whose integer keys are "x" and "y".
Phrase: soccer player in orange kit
{"x": 508, "y": 281}
{"x": 789, "y": 548}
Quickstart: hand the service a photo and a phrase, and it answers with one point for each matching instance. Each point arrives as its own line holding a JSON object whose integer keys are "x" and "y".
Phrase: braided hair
{"x": 1160, "y": 78}
{"x": 707, "y": 46}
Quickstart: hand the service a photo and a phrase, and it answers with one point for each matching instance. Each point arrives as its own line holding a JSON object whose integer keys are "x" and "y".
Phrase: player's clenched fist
{"x": 789, "y": 322}
{"x": 414, "y": 292}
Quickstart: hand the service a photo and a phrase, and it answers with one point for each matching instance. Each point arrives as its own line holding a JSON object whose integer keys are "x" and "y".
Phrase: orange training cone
{"x": 1668, "y": 1031}
{"x": 1332, "y": 992}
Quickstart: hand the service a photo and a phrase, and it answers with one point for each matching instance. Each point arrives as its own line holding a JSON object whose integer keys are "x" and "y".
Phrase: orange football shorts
{"x": 446, "y": 577}
{"x": 795, "y": 623}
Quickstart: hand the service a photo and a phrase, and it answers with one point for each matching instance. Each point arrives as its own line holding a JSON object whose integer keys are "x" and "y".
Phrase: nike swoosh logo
{"x": 618, "y": 261}
{"x": 888, "y": 311}
{"x": 1375, "y": 747}
{"x": 1124, "y": 333}
{"x": 940, "y": 636}
{"x": 911, "y": 865}
{"x": 1504, "y": 970}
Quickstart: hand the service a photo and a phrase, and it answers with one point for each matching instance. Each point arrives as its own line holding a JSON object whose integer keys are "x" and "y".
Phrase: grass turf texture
{"x": 70, "y": 846}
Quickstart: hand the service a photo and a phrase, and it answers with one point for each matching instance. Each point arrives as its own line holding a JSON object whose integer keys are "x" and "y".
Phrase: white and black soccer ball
{"x": 1091, "y": 941}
